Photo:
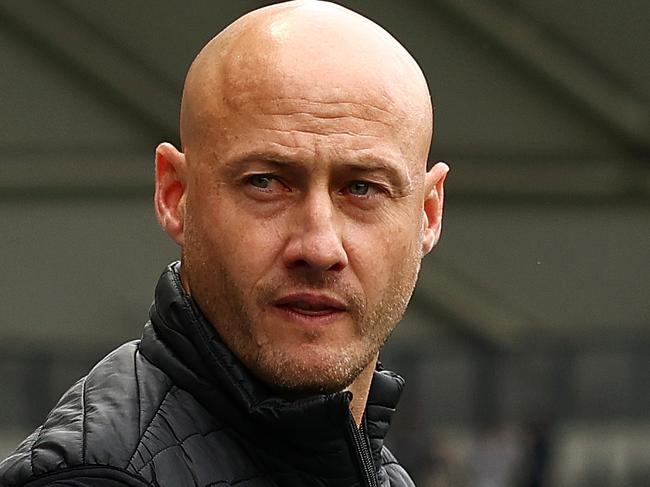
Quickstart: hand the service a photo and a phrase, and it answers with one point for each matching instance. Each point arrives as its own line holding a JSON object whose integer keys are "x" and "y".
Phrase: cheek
{"x": 247, "y": 246}
{"x": 375, "y": 254}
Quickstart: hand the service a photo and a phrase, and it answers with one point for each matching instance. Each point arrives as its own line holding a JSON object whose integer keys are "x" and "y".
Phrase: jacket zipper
{"x": 362, "y": 449}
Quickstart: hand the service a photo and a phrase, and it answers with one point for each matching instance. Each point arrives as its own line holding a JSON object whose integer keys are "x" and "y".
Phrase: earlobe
{"x": 169, "y": 197}
{"x": 433, "y": 205}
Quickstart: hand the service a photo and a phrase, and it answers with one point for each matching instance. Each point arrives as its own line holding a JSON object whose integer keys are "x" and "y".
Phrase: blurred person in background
{"x": 494, "y": 460}
{"x": 302, "y": 206}
{"x": 538, "y": 453}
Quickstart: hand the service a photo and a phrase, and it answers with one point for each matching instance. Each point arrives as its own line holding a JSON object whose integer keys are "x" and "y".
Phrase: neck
{"x": 360, "y": 389}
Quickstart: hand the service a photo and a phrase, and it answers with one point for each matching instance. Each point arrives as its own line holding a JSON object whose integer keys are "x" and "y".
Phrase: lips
{"x": 311, "y": 304}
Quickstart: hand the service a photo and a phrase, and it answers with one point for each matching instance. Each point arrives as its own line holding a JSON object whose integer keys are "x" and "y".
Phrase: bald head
{"x": 316, "y": 51}
{"x": 300, "y": 197}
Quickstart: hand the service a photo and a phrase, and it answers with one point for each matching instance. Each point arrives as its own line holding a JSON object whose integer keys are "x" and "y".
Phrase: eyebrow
{"x": 269, "y": 157}
{"x": 399, "y": 178}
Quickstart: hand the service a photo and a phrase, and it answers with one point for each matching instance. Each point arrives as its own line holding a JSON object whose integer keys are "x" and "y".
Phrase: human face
{"x": 303, "y": 235}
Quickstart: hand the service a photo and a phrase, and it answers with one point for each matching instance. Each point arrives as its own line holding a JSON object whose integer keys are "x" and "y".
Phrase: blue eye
{"x": 260, "y": 181}
{"x": 359, "y": 188}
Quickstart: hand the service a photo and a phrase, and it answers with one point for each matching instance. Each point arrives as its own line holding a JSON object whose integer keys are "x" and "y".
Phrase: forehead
{"x": 319, "y": 90}
{"x": 346, "y": 115}
{"x": 287, "y": 84}
{"x": 318, "y": 134}
{"x": 310, "y": 132}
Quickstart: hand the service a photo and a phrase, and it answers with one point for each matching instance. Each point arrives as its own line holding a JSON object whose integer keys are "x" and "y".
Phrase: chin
{"x": 311, "y": 370}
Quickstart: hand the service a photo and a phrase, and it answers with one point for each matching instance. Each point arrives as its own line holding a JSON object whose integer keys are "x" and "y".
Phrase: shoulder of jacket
{"x": 99, "y": 422}
{"x": 397, "y": 475}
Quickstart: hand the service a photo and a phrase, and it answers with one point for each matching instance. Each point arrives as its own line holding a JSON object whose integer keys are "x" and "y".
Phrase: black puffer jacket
{"x": 177, "y": 409}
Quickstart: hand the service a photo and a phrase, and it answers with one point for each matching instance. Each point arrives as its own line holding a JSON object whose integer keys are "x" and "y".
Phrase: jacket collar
{"x": 203, "y": 362}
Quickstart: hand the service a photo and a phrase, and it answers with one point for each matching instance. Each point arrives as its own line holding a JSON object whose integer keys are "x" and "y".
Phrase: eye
{"x": 262, "y": 181}
{"x": 359, "y": 188}
{"x": 265, "y": 186}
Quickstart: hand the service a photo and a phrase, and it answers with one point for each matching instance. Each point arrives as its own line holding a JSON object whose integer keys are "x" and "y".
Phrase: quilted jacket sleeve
{"x": 88, "y": 477}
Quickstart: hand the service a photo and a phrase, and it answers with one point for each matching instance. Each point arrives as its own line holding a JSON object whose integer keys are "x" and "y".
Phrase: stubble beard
{"x": 321, "y": 369}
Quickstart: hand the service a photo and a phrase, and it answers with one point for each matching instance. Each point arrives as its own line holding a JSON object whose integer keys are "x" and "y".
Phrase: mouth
{"x": 311, "y": 305}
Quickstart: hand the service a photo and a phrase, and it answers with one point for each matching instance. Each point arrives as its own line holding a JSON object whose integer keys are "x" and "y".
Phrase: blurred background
{"x": 527, "y": 343}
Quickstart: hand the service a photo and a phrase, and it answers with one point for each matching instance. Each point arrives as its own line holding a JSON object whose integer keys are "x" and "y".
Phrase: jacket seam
{"x": 153, "y": 416}
{"x": 176, "y": 445}
{"x": 83, "y": 420}
{"x": 31, "y": 450}
{"x": 179, "y": 444}
{"x": 137, "y": 388}
{"x": 83, "y": 405}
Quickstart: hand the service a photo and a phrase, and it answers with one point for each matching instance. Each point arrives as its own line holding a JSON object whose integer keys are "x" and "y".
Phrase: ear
{"x": 434, "y": 181}
{"x": 169, "y": 198}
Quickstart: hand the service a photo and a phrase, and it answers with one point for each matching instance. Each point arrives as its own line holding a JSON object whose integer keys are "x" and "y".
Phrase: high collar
{"x": 207, "y": 368}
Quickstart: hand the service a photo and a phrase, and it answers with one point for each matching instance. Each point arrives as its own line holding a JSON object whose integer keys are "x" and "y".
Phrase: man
{"x": 302, "y": 206}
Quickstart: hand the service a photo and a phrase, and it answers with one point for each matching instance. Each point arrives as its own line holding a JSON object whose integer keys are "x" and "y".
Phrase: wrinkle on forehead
{"x": 320, "y": 117}
{"x": 307, "y": 58}
{"x": 320, "y": 108}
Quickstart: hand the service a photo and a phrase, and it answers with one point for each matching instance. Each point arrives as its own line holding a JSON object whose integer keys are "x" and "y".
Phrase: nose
{"x": 316, "y": 240}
